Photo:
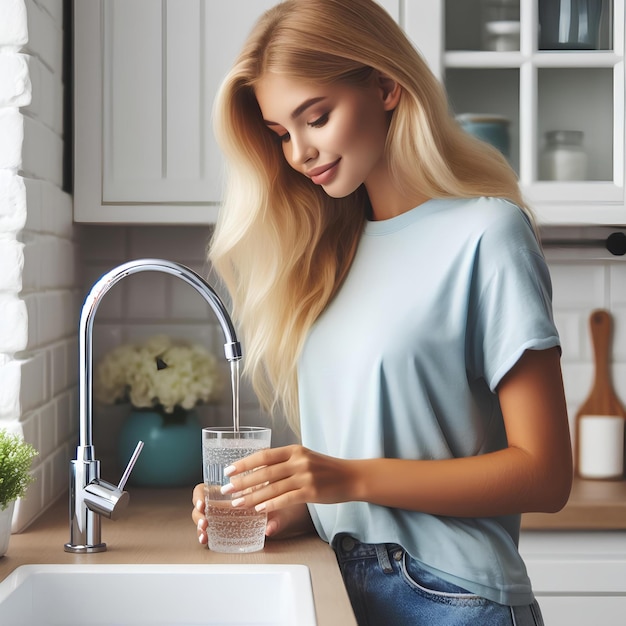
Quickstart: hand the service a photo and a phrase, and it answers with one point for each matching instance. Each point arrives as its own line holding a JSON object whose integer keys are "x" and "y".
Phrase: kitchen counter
{"x": 157, "y": 528}
{"x": 593, "y": 505}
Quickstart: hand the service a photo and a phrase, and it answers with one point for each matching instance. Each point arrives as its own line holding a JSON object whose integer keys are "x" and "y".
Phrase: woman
{"x": 395, "y": 305}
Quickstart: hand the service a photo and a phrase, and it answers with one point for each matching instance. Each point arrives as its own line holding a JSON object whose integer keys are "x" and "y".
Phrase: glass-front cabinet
{"x": 544, "y": 81}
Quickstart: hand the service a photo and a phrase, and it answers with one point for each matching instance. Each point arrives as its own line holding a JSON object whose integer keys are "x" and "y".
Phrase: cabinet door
{"x": 579, "y": 578}
{"x": 146, "y": 76}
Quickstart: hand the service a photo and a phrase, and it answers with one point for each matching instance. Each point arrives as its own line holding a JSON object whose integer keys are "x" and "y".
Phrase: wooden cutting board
{"x": 602, "y": 399}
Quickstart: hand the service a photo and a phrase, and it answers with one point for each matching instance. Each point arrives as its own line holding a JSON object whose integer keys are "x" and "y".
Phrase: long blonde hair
{"x": 281, "y": 245}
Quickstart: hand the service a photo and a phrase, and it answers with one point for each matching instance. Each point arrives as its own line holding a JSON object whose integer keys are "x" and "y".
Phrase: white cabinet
{"x": 146, "y": 74}
{"x": 538, "y": 90}
{"x": 579, "y": 578}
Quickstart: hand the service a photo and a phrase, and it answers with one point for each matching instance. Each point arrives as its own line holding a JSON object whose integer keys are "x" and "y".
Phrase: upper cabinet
{"x": 146, "y": 74}
{"x": 147, "y": 71}
{"x": 549, "y": 74}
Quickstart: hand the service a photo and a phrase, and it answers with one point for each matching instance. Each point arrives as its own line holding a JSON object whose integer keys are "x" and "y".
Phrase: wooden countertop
{"x": 157, "y": 528}
{"x": 593, "y": 505}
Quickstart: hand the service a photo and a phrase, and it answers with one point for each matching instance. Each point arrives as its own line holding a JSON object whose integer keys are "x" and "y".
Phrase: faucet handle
{"x": 106, "y": 499}
{"x": 131, "y": 464}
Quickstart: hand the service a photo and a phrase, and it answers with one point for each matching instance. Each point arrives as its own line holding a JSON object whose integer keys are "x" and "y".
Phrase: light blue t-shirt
{"x": 439, "y": 304}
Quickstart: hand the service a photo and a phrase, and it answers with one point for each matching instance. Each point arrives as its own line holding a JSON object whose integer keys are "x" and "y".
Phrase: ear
{"x": 390, "y": 90}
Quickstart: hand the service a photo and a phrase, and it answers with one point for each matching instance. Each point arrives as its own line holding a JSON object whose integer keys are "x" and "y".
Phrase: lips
{"x": 323, "y": 174}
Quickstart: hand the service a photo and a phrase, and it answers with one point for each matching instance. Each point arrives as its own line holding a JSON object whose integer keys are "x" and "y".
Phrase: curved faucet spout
{"x": 91, "y": 497}
{"x": 232, "y": 347}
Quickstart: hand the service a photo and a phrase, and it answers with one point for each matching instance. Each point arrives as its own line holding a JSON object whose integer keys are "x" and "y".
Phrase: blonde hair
{"x": 281, "y": 245}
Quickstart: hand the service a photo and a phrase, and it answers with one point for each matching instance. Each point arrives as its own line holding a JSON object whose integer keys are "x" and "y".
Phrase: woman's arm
{"x": 534, "y": 473}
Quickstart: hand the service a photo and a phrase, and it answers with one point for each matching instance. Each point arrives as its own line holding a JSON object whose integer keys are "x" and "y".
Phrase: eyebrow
{"x": 299, "y": 110}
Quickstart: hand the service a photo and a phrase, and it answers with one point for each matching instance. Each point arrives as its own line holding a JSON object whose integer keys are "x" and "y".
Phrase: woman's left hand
{"x": 283, "y": 477}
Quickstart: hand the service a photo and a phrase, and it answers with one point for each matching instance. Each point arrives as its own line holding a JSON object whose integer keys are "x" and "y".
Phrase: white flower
{"x": 158, "y": 373}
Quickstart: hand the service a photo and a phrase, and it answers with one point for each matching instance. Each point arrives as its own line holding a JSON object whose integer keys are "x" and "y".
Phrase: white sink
{"x": 152, "y": 595}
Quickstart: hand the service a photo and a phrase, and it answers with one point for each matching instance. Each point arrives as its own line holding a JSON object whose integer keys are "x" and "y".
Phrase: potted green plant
{"x": 16, "y": 458}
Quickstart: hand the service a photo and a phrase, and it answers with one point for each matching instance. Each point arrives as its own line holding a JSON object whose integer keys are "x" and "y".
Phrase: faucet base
{"x": 100, "y": 547}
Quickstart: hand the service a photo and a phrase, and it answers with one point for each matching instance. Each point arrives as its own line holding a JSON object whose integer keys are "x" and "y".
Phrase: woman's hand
{"x": 277, "y": 478}
{"x": 288, "y": 522}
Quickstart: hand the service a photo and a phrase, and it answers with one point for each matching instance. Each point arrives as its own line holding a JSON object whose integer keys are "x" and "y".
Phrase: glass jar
{"x": 563, "y": 157}
{"x": 501, "y": 25}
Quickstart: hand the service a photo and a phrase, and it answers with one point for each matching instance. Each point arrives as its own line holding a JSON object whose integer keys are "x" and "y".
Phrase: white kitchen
{"x": 107, "y": 155}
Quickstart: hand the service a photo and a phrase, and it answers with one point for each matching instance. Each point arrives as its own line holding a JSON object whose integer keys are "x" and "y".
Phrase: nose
{"x": 301, "y": 150}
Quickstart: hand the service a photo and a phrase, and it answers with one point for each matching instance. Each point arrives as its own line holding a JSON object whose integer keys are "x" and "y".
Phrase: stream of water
{"x": 234, "y": 382}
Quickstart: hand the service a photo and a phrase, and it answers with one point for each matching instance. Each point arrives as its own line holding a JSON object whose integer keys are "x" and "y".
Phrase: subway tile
{"x": 57, "y": 468}
{"x": 45, "y": 37}
{"x": 48, "y": 429}
{"x": 578, "y": 380}
{"x": 32, "y": 199}
{"x": 42, "y": 152}
{"x": 183, "y": 244}
{"x": 568, "y": 325}
{"x": 619, "y": 381}
{"x": 46, "y": 104}
{"x": 579, "y": 285}
{"x": 33, "y": 388}
{"x": 186, "y": 303}
{"x": 57, "y": 262}
{"x": 30, "y": 430}
{"x": 57, "y": 210}
{"x": 54, "y": 8}
{"x": 64, "y": 418}
{"x": 105, "y": 245}
{"x": 146, "y": 295}
{"x": 617, "y": 284}
{"x": 57, "y": 368}
{"x": 51, "y": 316}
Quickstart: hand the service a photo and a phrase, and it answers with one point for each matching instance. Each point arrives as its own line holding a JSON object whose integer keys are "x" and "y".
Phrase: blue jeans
{"x": 388, "y": 587}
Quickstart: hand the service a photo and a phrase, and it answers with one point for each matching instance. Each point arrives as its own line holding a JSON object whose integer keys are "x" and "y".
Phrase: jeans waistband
{"x": 348, "y": 548}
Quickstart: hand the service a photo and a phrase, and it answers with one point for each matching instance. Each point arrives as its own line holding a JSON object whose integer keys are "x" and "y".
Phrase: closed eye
{"x": 320, "y": 121}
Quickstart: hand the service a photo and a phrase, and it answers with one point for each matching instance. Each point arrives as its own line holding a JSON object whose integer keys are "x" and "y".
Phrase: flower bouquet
{"x": 162, "y": 375}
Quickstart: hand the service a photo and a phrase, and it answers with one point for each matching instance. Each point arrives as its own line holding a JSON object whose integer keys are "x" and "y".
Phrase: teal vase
{"x": 172, "y": 451}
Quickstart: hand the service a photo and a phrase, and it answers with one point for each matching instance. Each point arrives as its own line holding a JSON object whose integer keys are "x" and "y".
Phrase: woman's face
{"x": 333, "y": 134}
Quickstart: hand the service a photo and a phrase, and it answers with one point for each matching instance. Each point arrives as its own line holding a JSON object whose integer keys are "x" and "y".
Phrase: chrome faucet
{"x": 90, "y": 496}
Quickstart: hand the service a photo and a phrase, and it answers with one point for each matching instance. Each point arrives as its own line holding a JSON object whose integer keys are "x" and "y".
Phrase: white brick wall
{"x": 39, "y": 295}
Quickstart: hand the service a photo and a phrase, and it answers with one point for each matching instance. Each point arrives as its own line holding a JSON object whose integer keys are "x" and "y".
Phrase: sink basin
{"x": 116, "y": 595}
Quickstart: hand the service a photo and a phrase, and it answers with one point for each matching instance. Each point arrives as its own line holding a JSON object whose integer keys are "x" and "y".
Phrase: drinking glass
{"x": 231, "y": 529}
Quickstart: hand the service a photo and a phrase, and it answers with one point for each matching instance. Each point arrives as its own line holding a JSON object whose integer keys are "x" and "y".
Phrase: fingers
{"x": 197, "y": 514}
{"x": 272, "y": 527}
{"x": 267, "y": 457}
